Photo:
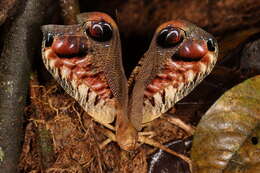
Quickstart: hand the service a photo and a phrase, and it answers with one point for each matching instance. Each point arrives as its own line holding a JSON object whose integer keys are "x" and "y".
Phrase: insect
{"x": 86, "y": 60}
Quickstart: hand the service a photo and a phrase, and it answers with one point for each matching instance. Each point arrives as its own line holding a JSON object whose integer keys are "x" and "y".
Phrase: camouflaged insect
{"x": 86, "y": 60}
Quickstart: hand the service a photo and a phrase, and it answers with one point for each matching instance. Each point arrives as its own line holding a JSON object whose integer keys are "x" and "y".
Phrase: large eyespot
{"x": 169, "y": 37}
{"x": 100, "y": 31}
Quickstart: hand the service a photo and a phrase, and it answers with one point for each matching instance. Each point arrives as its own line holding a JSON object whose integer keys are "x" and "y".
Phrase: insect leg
{"x": 178, "y": 122}
{"x": 156, "y": 144}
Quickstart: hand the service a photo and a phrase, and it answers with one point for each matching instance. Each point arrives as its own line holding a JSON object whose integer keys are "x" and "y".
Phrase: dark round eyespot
{"x": 100, "y": 31}
{"x": 48, "y": 39}
{"x": 211, "y": 44}
{"x": 169, "y": 37}
{"x": 254, "y": 140}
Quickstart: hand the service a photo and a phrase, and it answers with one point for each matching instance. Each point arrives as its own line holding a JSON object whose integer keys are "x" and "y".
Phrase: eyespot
{"x": 48, "y": 40}
{"x": 254, "y": 140}
{"x": 169, "y": 37}
{"x": 100, "y": 31}
{"x": 211, "y": 44}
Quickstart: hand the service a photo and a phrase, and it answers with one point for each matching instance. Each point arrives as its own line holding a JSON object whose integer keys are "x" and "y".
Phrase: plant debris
{"x": 76, "y": 138}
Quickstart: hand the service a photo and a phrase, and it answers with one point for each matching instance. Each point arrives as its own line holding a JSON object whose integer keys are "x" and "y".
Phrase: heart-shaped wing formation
{"x": 180, "y": 56}
{"x": 86, "y": 60}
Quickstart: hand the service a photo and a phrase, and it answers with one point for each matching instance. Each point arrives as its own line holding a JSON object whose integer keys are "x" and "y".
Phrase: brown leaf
{"x": 227, "y": 137}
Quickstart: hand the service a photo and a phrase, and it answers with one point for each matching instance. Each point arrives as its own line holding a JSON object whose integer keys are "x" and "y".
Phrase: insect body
{"x": 86, "y": 60}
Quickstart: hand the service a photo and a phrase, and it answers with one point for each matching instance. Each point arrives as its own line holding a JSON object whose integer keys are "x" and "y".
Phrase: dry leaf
{"x": 227, "y": 137}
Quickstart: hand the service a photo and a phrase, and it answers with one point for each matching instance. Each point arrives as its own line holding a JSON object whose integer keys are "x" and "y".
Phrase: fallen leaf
{"x": 227, "y": 137}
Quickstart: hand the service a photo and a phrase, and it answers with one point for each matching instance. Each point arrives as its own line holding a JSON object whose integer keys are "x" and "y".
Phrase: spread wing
{"x": 86, "y": 60}
{"x": 180, "y": 56}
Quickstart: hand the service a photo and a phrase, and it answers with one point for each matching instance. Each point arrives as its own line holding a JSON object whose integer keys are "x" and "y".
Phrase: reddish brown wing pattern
{"x": 82, "y": 57}
{"x": 180, "y": 56}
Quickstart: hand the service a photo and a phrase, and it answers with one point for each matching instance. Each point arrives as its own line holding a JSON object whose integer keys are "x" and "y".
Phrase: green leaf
{"x": 228, "y": 135}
